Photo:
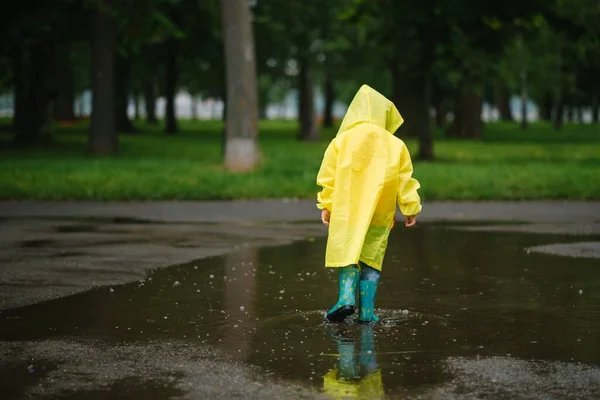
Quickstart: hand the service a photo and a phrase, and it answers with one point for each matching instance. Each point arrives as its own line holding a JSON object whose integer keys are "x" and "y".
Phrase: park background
{"x": 129, "y": 100}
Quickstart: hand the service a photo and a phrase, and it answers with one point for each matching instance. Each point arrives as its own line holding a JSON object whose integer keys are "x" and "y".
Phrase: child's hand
{"x": 325, "y": 214}
{"x": 411, "y": 220}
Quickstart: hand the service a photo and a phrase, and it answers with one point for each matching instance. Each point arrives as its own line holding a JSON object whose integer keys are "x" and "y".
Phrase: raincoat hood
{"x": 370, "y": 106}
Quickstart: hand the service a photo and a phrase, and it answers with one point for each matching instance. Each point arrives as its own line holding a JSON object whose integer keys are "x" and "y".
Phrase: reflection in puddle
{"x": 444, "y": 295}
{"x": 357, "y": 373}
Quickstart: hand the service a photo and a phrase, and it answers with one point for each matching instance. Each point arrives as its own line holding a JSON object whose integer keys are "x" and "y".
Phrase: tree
{"x": 171, "y": 76}
{"x": 33, "y": 92}
{"x": 241, "y": 149}
{"x": 147, "y": 79}
{"x": 272, "y": 52}
{"x": 34, "y": 36}
{"x": 66, "y": 85}
{"x": 565, "y": 45}
{"x": 189, "y": 53}
{"x": 149, "y": 94}
{"x": 148, "y": 32}
{"x": 103, "y": 133}
{"x": 122, "y": 73}
{"x": 296, "y": 30}
{"x": 202, "y": 67}
{"x": 329, "y": 94}
{"x": 405, "y": 34}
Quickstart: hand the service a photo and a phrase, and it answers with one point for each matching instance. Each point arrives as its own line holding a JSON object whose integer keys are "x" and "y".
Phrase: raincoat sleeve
{"x": 408, "y": 198}
{"x": 326, "y": 177}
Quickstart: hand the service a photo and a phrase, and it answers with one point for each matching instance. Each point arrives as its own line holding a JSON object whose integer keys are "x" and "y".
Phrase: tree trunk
{"x": 79, "y": 106}
{"x": 579, "y": 114}
{"x": 595, "y": 111}
{"x": 34, "y": 93}
{"x": 504, "y": 105}
{"x": 263, "y": 100}
{"x": 524, "y": 100}
{"x": 241, "y": 149}
{"x": 306, "y": 106}
{"x": 21, "y": 84}
{"x": 65, "y": 88}
{"x": 150, "y": 102}
{"x": 524, "y": 121}
{"x": 329, "y": 90}
{"x": 570, "y": 114}
{"x": 467, "y": 115}
{"x": 193, "y": 107}
{"x": 546, "y": 108}
{"x": 136, "y": 107}
{"x": 559, "y": 112}
{"x": 224, "y": 135}
{"x": 412, "y": 95}
{"x": 122, "y": 76}
{"x": 103, "y": 138}
{"x": 171, "y": 87}
{"x": 409, "y": 105}
{"x": 440, "y": 114}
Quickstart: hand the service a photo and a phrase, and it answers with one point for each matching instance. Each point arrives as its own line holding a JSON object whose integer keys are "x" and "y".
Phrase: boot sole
{"x": 340, "y": 314}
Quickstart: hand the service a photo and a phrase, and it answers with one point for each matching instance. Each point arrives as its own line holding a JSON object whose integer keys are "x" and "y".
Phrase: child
{"x": 365, "y": 171}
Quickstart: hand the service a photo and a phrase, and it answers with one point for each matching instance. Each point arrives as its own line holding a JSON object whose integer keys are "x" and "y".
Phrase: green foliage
{"x": 463, "y": 43}
{"x": 202, "y": 59}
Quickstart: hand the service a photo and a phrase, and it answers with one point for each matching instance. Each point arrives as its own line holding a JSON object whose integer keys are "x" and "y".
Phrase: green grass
{"x": 509, "y": 164}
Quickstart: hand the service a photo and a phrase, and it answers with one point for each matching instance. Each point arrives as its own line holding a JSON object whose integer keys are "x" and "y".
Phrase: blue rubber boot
{"x": 368, "y": 289}
{"x": 346, "y": 303}
{"x": 369, "y": 279}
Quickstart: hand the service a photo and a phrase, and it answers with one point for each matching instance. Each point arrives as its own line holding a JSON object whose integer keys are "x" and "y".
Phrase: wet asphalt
{"x": 122, "y": 307}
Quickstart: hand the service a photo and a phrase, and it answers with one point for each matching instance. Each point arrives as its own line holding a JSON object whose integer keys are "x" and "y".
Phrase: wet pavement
{"x": 43, "y": 259}
{"x": 581, "y": 212}
{"x": 466, "y": 313}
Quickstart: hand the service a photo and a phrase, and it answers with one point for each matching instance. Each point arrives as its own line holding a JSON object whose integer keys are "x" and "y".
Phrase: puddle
{"x": 36, "y": 243}
{"x": 128, "y": 389}
{"x": 449, "y": 300}
{"x": 64, "y": 254}
{"x": 26, "y": 374}
{"x": 78, "y": 228}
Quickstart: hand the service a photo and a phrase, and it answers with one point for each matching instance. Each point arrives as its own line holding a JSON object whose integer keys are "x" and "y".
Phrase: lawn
{"x": 509, "y": 164}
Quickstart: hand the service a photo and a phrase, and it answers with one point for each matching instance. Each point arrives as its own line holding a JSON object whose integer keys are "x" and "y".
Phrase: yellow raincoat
{"x": 366, "y": 170}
